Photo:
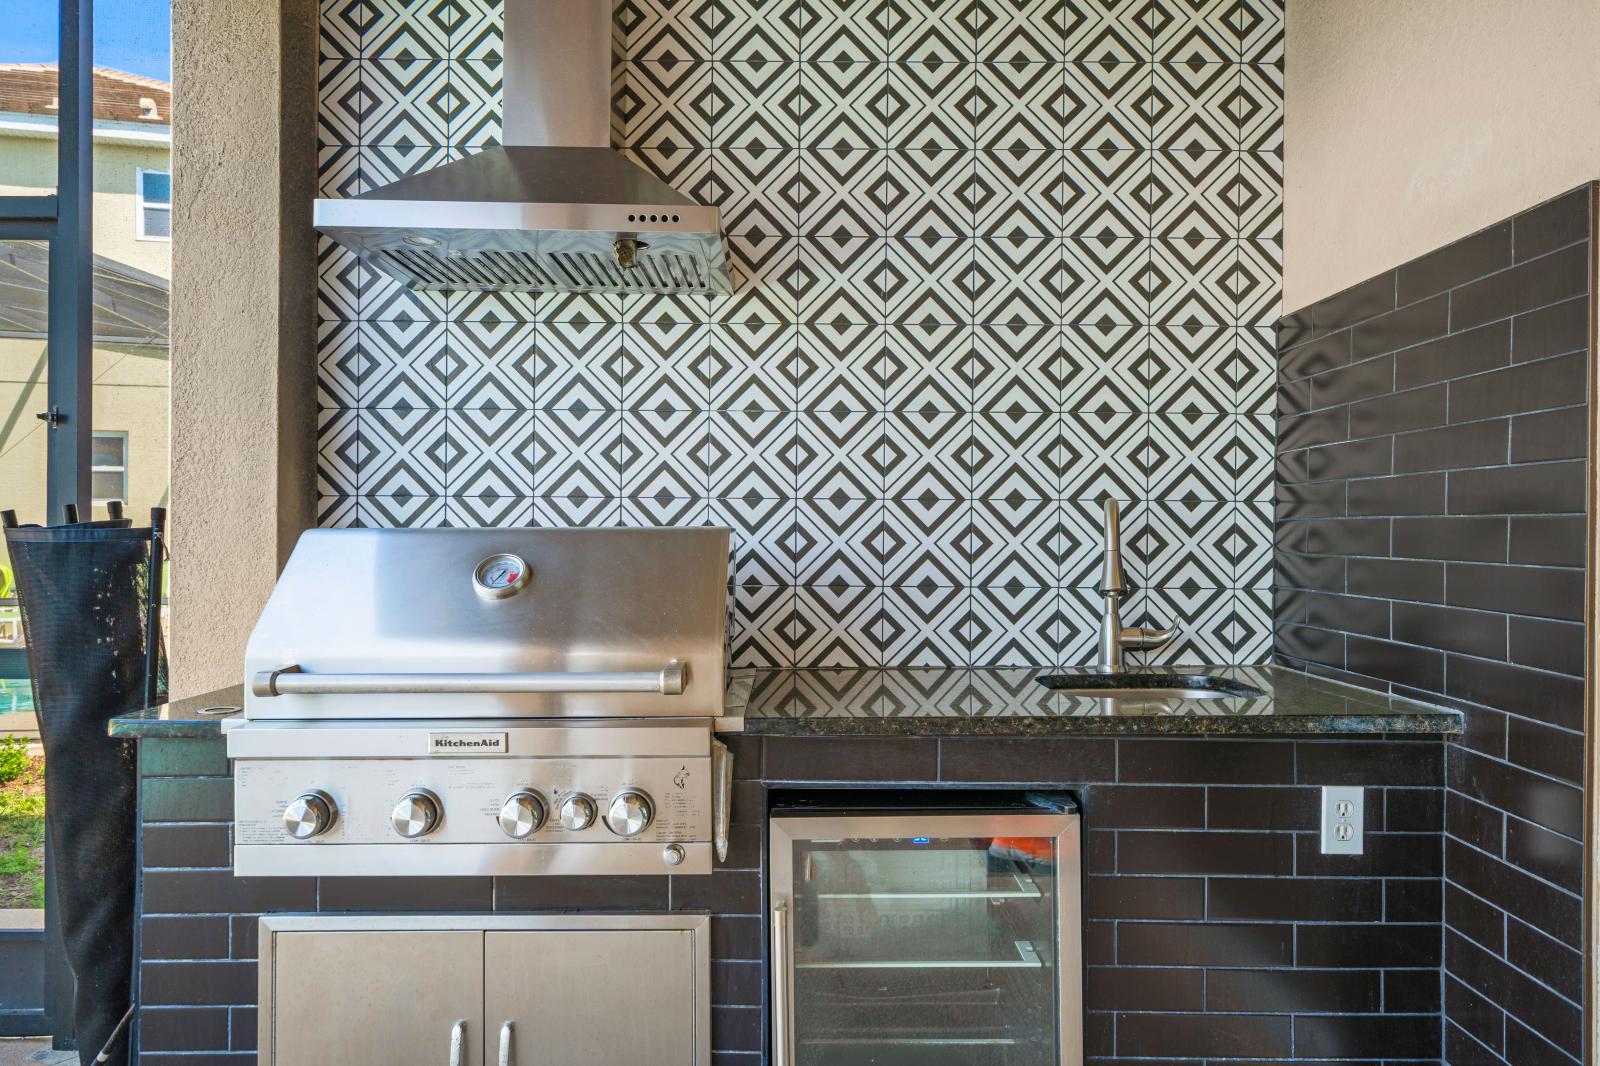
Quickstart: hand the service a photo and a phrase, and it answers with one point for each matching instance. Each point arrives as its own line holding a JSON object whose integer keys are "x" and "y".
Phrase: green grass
{"x": 21, "y": 838}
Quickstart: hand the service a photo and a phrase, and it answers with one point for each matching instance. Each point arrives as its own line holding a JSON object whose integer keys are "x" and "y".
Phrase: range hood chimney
{"x": 553, "y": 210}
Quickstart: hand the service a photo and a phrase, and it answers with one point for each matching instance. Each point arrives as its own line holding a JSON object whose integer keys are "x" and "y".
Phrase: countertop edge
{"x": 1441, "y": 723}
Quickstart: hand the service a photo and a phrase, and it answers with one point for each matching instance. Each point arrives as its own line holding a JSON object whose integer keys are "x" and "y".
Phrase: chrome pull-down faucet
{"x": 1114, "y": 639}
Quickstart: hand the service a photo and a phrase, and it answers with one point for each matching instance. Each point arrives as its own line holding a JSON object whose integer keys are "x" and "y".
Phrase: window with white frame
{"x": 154, "y": 215}
{"x": 108, "y": 468}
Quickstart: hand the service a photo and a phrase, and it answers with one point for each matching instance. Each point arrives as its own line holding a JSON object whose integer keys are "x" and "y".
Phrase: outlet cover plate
{"x": 1343, "y": 817}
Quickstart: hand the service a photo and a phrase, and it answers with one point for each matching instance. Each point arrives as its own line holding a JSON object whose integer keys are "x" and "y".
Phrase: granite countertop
{"x": 197, "y": 716}
{"x": 1009, "y": 702}
{"x": 977, "y": 702}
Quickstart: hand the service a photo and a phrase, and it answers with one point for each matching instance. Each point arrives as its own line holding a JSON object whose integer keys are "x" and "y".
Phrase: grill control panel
{"x": 365, "y": 810}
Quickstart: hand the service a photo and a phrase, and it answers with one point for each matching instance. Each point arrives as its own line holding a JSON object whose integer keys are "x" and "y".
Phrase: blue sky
{"x": 131, "y": 35}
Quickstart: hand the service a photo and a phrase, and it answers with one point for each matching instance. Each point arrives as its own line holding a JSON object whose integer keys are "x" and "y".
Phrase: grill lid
{"x": 487, "y": 623}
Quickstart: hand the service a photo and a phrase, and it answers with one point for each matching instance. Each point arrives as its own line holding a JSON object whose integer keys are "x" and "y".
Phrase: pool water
{"x": 16, "y": 694}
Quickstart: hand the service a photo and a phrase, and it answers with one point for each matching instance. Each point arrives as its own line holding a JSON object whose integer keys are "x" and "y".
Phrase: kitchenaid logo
{"x": 466, "y": 743}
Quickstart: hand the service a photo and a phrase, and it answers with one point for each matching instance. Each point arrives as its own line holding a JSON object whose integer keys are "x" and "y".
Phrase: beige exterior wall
{"x": 1411, "y": 124}
{"x": 131, "y": 382}
{"x": 243, "y": 322}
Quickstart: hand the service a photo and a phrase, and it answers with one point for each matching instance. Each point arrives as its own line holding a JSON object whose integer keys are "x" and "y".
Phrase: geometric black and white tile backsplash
{"x": 994, "y": 260}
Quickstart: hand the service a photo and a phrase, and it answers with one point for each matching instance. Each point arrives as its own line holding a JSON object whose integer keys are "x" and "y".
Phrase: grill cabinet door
{"x": 600, "y": 997}
{"x": 387, "y": 998}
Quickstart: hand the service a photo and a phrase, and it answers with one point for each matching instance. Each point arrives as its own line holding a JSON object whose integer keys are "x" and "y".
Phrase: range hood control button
{"x": 577, "y": 812}
{"x": 522, "y": 815}
{"x": 630, "y": 813}
{"x": 310, "y": 815}
{"x": 417, "y": 814}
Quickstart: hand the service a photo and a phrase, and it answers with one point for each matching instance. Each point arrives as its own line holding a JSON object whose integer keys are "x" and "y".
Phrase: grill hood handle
{"x": 671, "y": 680}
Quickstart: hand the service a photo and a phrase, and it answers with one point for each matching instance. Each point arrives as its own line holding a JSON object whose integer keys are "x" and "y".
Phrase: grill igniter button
{"x": 310, "y": 815}
{"x": 630, "y": 813}
{"x": 673, "y": 854}
{"x": 577, "y": 812}
{"x": 522, "y": 814}
{"x": 417, "y": 814}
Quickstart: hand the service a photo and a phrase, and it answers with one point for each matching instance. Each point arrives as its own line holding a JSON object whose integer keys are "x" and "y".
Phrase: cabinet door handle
{"x": 505, "y": 1044}
{"x": 780, "y": 983}
{"x": 458, "y": 1037}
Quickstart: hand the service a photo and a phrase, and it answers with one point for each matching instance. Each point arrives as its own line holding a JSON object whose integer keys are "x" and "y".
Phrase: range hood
{"x": 553, "y": 210}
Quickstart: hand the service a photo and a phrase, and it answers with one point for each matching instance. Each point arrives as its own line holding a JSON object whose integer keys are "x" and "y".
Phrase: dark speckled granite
{"x": 961, "y": 702}
{"x": 182, "y": 718}
{"x": 1004, "y": 702}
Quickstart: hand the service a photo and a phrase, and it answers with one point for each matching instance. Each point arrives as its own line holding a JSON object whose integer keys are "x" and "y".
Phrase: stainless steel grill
{"x": 518, "y": 701}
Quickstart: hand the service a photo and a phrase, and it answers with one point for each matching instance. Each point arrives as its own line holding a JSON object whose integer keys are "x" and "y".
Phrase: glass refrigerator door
{"x": 926, "y": 939}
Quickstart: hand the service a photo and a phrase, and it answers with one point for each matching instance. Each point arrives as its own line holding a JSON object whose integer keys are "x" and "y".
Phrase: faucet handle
{"x": 1138, "y": 638}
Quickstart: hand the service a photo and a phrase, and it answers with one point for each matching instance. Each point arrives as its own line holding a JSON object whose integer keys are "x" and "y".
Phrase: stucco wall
{"x": 244, "y": 267}
{"x": 1408, "y": 125}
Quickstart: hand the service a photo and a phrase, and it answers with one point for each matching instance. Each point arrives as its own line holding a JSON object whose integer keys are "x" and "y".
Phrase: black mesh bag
{"x": 84, "y": 592}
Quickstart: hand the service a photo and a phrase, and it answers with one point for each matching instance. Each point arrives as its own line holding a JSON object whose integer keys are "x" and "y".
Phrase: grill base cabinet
{"x": 926, "y": 938}
{"x": 617, "y": 990}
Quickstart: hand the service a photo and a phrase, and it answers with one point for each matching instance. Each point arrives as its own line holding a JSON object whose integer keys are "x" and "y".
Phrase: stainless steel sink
{"x": 1149, "y": 686}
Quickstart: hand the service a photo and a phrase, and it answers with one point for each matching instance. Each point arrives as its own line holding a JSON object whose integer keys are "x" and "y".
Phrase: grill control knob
{"x": 577, "y": 812}
{"x": 630, "y": 813}
{"x": 310, "y": 815}
{"x": 417, "y": 814}
{"x": 522, "y": 814}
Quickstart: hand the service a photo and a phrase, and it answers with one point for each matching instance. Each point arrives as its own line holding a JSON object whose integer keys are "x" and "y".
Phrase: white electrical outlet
{"x": 1342, "y": 819}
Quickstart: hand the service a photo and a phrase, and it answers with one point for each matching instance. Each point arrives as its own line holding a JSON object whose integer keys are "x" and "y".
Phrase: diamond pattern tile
{"x": 994, "y": 260}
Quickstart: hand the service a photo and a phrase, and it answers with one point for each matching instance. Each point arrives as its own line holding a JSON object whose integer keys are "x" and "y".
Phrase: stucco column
{"x": 243, "y": 319}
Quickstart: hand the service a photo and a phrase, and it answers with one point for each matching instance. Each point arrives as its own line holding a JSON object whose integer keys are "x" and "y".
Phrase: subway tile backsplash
{"x": 994, "y": 261}
{"x": 1430, "y": 539}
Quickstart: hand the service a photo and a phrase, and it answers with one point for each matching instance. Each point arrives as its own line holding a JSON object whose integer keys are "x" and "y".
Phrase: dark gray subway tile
{"x": 1175, "y": 852}
{"x": 1452, "y": 447}
{"x": 1550, "y": 962}
{"x": 1412, "y": 991}
{"x": 1552, "y": 804}
{"x": 1361, "y": 458}
{"x": 1383, "y": 855}
{"x": 1401, "y": 328}
{"x": 1535, "y": 283}
{"x": 1553, "y": 224}
{"x": 1470, "y": 632}
{"x": 197, "y": 983}
{"x": 186, "y": 799}
{"x": 1358, "y": 381}
{"x": 1553, "y": 698}
{"x": 219, "y": 892}
{"x": 1345, "y": 308}
{"x": 1562, "y": 434}
{"x": 1395, "y": 1037}
{"x": 1318, "y": 499}
{"x": 1216, "y": 1036}
{"x": 185, "y": 937}
{"x": 1354, "y": 536}
{"x": 1483, "y": 731}
{"x": 1547, "y": 855}
{"x": 1553, "y": 330}
{"x": 1177, "y": 898}
{"x": 1397, "y": 579}
{"x": 1315, "y": 427}
{"x": 405, "y": 893}
{"x": 1351, "y": 614}
{"x": 1128, "y": 988}
{"x": 1542, "y": 592}
{"x": 1524, "y": 1044}
{"x": 1310, "y": 899}
{"x": 1144, "y": 806}
{"x": 1292, "y": 991}
{"x": 1317, "y": 573}
{"x": 1535, "y": 488}
{"x": 1036, "y": 759}
{"x": 1294, "y": 398}
{"x": 1453, "y": 538}
{"x": 1400, "y": 664}
{"x": 1415, "y": 810}
{"x": 1314, "y": 357}
{"x": 1547, "y": 645}
{"x": 1557, "y": 382}
{"x": 1284, "y": 808}
{"x": 1370, "y": 763}
{"x": 1420, "y": 408}
{"x": 1405, "y": 494}
{"x": 1208, "y": 944}
{"x": 1548, "y": 540}
{"x": 1478, "y": 824}
{"x": 1204, "y": 761}
{"x": 1321, "y": 646}
{"x": 183, "y": 1029}
{"x": 1474, "y": 919}
{"x": 1558, "y": 1019}
{"x": 868, "y": 759}
{"x": 1455, "y": 356}
{"x": 186, "y": 846}
{"x": 183, "y": 757}
{"x": 1465, "y": 260}
{"x": 561, "y": 892}
{"x": 1364, "y": 947}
